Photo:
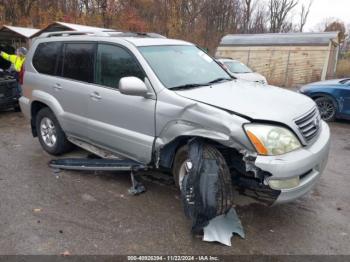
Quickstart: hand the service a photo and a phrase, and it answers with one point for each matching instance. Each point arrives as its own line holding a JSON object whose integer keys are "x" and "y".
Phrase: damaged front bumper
{"x": 306, "y": 165}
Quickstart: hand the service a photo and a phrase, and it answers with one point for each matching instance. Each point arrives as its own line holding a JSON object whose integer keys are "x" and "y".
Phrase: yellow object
{"x": 16, "y": 60}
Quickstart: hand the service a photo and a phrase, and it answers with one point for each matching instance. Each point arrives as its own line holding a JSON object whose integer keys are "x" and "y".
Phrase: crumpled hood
{"x": 253, "y": 100}
{"x": 254, "y": 77}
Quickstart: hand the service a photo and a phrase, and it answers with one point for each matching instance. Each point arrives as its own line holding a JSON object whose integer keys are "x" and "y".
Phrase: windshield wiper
{"x": 186, "y": 86}
{"x": 218, "y": 80}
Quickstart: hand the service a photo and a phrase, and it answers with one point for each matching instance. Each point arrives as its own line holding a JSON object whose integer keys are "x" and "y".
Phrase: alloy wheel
{"x": 48, "y": 132}
{"x": 326, "y": 108}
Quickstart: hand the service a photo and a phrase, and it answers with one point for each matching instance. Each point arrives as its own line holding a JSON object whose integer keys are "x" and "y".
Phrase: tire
{"x": 327, "y": 107}
{"x": 225, "y": 190}
{"x": 46, "y": 123}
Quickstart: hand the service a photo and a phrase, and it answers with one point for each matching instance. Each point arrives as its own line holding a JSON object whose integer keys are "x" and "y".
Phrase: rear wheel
{"x": 327, "y": 108}
{"x": 50, "y": 133}
{"x": 225, "y": 189}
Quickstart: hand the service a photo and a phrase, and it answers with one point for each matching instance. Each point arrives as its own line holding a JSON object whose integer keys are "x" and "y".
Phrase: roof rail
{"x": 112, "y": 33}
{"x": 136, "y": 34}
{"x": 72, "y": 33}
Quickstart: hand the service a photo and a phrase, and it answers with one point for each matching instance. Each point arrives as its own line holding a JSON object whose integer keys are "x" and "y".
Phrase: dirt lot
{"x": 85, "y": 213}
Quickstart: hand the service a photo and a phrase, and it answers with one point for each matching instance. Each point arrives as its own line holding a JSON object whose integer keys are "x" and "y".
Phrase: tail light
{"x": 21, "y": 75}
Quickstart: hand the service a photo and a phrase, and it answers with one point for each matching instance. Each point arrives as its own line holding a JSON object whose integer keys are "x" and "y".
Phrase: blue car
{"x": 332, "y": 98}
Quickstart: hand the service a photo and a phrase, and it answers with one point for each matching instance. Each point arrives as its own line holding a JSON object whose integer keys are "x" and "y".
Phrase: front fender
{"x": 178, "y": 128}
{"x": 179, "y": 119}
{"x": 177, "y": 133}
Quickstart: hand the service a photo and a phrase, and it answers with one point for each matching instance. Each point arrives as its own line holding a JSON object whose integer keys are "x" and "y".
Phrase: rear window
{"x": 78, "y": 61}
{"x": 45, "y": 57}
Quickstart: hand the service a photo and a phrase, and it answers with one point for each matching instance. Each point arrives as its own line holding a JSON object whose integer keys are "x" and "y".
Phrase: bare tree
{"x": 203, "y": 22}
{"x": 9, "y": 11}
{"x": 305, "y": 10}
{"x": 279, "y": 9}
{"x": 25, "y": 6}
{"x": 247, "y": 14}
{"x": 337, "y": 25}
{"x": 260, "y": 20}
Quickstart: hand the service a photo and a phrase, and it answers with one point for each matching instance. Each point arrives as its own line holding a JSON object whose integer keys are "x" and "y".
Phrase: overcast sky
{"x": 322, "y": 9}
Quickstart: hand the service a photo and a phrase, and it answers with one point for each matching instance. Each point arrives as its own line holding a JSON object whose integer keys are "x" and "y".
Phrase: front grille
{"x": 309, "y": 124}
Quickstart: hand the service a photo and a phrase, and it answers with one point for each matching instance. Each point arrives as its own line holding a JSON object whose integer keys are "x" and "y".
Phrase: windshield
{"x": 345, "y": 81}
{"x": 185, "y": 66}
{"x": 237, "y": 67}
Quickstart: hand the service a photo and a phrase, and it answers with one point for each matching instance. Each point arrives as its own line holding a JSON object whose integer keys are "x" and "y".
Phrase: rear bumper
{"x": 307, "y": 163}
{"x": 24, "y": 103}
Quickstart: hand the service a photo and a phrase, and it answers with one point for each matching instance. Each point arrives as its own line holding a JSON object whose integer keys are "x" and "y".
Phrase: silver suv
{"x": 143, "y": 97}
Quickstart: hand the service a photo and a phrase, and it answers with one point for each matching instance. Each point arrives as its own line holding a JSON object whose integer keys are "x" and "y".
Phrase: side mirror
{"x": 132, "y": 86}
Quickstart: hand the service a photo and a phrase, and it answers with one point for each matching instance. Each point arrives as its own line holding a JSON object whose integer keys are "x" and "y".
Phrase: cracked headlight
{"x": 271, "y": 140}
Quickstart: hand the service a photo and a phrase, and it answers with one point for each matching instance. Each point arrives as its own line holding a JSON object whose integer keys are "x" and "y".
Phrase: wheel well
{"x": 247, "y": 182}
{"x": 35, "y": 108}
{"x": 318, "y": 95}
{"x": 168, "y": 152}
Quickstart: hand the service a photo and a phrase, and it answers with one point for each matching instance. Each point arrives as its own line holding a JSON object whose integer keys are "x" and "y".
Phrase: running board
{"x": 103, "y": 153}
{"x": 86, "y": 164}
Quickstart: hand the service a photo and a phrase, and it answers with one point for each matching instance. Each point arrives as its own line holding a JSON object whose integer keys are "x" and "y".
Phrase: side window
{"x": 114, "y": 63}
{"x": 45, "y": 57}
{"x": 79, "y": 61}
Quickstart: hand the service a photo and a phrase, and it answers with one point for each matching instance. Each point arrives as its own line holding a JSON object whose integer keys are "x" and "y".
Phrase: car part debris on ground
{"x": 221, "y": 228}
{"x": 206, "y": 189}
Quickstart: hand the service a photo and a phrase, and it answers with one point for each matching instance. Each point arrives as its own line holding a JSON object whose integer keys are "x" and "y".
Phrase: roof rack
{"x": 72, "y": 33}
{"x": 111, "y": 33}
{"x": 136, "y": 34}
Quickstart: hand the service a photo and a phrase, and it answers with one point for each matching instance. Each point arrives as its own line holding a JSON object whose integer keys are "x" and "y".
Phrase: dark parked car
{"x": 332, "y": 98}
{"x": 9, "y": 93}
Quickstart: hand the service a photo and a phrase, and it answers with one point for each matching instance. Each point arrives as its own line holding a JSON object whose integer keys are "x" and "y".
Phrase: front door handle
{"x": 57, "y": 86}
{"x": 95, "y": 95}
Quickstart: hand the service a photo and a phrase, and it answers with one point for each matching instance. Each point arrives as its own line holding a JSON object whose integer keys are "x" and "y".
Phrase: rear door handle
{"x": 57, "y": 86}
{"x": 95, "y": 95}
